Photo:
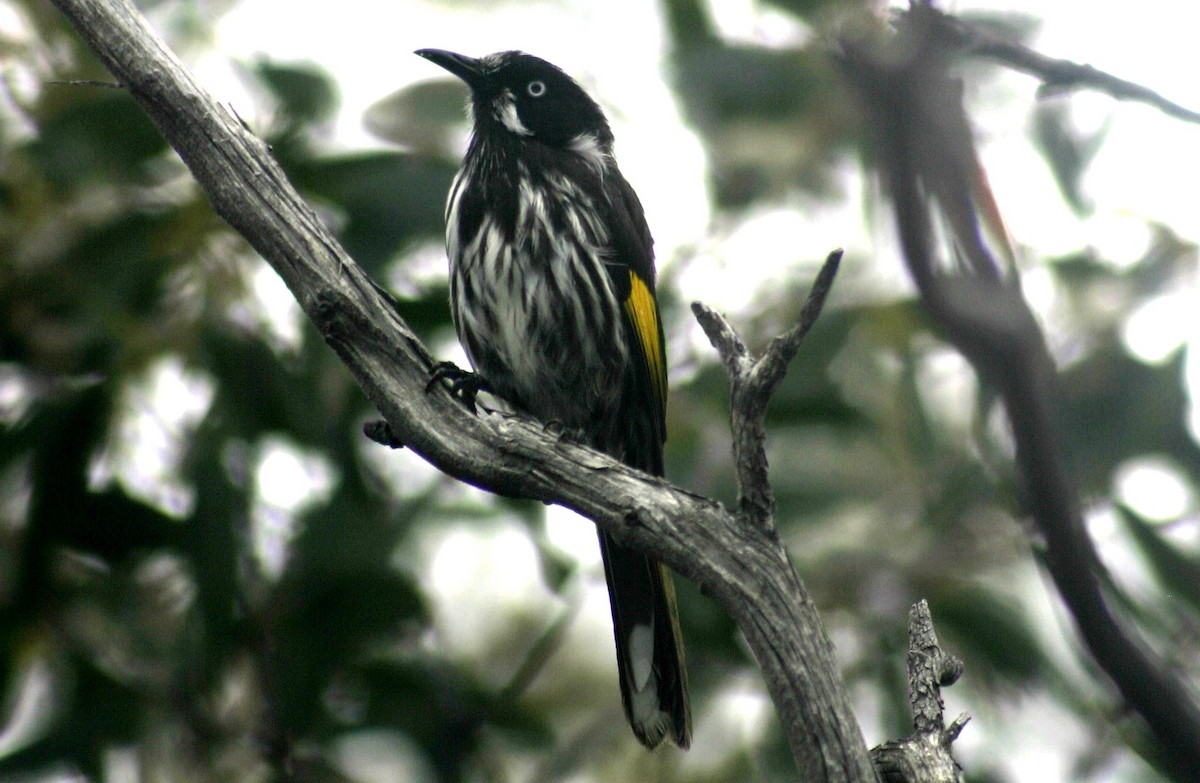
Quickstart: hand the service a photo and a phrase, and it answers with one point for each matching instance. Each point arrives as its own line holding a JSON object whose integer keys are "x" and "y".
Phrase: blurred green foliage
{"x": 155, "y": 624}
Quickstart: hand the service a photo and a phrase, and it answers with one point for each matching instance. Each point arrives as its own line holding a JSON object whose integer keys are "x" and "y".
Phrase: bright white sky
{"x": 1148, "y": 168}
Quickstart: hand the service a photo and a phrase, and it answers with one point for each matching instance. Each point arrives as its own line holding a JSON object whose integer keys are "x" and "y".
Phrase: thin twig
{"x": 1056, "y": 74}
{"x": 752, "y": 383}
{"x": 769, "y": 371}
{"x": 723, "y": 337}
{"x": 86, "y": 83}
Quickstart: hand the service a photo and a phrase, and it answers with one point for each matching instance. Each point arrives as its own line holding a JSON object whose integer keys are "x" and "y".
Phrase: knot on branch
{"x": 925, "y": 755}
{"x": 329, "y": 314}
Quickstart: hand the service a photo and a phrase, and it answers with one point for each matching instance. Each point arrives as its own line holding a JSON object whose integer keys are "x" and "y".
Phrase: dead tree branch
{"x": 742, "y": 566}
{"x": 1056, "y": 75}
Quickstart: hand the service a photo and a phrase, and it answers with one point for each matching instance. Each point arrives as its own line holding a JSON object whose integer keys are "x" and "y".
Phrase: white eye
{"x": 536, "y": 89}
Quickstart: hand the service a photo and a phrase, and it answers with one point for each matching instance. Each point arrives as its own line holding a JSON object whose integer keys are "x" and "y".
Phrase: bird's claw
{"x": 463, "y": 384}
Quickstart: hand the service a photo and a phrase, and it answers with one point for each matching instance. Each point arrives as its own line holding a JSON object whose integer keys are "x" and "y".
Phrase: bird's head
{"x": 528, "y": 97}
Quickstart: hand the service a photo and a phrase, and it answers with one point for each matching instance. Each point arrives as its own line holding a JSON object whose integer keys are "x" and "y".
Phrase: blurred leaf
{"x": 306, "y": 93}
{"x": 354, "y": 531}
{"x": 1178, "y": 573}
{"x": 216, "y": 543}
{"x": 73, "y": 430}
{"x": 772, "y": 119}
{"x": 104, "y": 278}
{"x": 318, "y": 625}
{"x": 809, "y": 394}
{"x": 713, "y": 641}
{"x": 1068, "y": 152}
{"x": 258, "y": 392}
{"x": 428, "y": 313}
{"x": 103, "y": 714}
{"x": 111, "y": 525}
{"x": 1144, "y": 409}
{"x": 1015, "y": 26}
{"x": 557, "y": 569}
{"x": 428, "y": 117}
{"x": 978, "y": 625}
{"x": 387, "y": 200}
{"x": 104, "y": 138}
{"x": 808, "y": 9}
{"x": 451, "y": 732}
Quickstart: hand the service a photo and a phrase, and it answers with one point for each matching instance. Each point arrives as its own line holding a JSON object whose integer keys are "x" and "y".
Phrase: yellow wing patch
{"x": 642, "y": 311}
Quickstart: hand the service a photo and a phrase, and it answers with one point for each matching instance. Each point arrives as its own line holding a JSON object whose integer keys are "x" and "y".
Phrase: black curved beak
{"x": 466, "y": 68}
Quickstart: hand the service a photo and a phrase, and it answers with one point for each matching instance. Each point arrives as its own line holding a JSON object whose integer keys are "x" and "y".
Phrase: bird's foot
{"x": 463, "y": 384}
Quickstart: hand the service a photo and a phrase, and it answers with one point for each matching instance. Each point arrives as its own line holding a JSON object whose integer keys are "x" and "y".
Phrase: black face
{"x": 527, "y": 96}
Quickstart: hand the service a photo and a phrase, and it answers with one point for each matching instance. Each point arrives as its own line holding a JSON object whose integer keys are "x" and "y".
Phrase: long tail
{"x": 649, "y": 646}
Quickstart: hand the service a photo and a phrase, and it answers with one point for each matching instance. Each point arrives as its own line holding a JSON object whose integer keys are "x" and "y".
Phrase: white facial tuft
{"x": 506, "y": 113}
{"x": 588, "y": 146}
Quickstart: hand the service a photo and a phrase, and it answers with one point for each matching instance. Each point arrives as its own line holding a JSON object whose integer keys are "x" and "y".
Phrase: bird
{"x": 552, "y": 293}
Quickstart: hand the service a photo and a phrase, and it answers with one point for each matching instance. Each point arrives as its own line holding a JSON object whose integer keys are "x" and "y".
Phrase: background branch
{"x": 1057, "y": 75}
{"x": 920, "y": 129}
{"x": 744, "y": 567}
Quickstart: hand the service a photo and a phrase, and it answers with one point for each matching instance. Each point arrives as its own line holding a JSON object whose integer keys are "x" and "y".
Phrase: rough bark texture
{"x": 743, "y": 566}
{"x": 925, "y": 756}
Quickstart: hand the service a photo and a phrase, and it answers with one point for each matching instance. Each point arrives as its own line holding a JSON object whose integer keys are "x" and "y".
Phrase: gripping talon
{"x": 463, "y": 384}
